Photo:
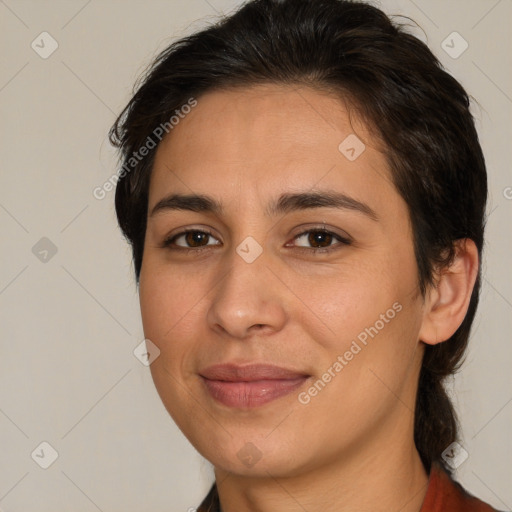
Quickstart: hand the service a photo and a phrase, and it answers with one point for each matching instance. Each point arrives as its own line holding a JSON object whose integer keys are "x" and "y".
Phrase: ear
{"x": 447, "y": 301}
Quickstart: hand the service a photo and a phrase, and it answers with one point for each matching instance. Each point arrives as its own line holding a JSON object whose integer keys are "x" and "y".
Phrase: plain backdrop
{"x": 69, "y": 313}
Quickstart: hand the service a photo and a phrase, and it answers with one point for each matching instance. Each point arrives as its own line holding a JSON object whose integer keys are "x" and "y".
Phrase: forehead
{"x": 268, "y": 138}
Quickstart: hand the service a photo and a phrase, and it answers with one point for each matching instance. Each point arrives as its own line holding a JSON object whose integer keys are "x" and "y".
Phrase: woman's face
{"x": 276, "y": 358}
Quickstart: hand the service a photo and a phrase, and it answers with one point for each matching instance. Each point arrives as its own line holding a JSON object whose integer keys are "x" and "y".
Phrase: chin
{"x": 251, "y": 454}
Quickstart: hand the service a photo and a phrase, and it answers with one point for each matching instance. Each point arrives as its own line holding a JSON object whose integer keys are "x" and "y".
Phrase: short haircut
{"x": 416, "y": 110}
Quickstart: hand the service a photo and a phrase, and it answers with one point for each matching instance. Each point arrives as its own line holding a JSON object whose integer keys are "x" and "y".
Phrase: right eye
{"x": 190, "y": 239}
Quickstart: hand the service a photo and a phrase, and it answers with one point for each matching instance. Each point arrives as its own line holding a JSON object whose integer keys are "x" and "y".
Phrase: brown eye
{"x": 191, "y": 239}
{"x": 196, "y": 238}
{"x": 318, "y": 239}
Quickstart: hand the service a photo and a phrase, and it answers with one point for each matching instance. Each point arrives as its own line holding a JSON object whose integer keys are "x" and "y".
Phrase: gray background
{"x": 70, "y": 320}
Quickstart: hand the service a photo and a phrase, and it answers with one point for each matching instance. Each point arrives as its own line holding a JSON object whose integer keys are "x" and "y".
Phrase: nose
{"x": 248, "y": 300}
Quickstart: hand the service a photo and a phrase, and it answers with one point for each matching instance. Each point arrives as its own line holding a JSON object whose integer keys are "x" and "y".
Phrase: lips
{"x": 250, "y": 385}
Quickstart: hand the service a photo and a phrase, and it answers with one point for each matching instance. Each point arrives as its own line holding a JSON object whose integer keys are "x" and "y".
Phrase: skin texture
{"x": 351, "y": 446}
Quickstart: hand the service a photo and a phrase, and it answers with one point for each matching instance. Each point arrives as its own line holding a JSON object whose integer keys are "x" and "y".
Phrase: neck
{"x": 383, "y": 476}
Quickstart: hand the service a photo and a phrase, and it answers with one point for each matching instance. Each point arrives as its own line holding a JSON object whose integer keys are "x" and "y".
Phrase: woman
{"x": 304, "y": 192}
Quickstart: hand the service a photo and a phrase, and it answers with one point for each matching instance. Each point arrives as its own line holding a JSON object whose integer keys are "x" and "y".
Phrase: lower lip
{"x": 251, "y": 394}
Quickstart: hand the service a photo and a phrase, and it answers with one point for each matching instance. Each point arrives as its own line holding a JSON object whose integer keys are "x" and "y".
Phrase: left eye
{"x": 318, "y": 239}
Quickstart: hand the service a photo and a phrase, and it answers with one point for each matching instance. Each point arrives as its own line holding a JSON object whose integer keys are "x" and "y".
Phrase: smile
{"x": 250, "y": 386}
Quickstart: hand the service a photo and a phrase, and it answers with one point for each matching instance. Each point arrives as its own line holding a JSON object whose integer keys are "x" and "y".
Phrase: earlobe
{"x": 447, "y": 302}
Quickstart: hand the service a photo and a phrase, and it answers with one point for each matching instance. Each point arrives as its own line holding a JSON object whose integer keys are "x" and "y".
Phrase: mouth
{"x": 252, "y": 385}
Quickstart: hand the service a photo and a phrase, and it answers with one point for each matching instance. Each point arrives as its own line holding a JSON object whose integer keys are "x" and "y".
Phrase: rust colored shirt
{"x": 443, "y": 495}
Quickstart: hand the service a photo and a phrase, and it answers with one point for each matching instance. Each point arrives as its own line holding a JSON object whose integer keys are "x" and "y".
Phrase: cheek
{"x": 170, "y": 305}
{"x": 370, "y": 318}
{"x": 167, "y": 298}
{"x": 360, "y": 295}
{"x": 170, "y": 308}
{"x": 367, "y": 370}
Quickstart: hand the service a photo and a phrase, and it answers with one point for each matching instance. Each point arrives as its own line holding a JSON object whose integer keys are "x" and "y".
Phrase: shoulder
{"x": 445, "y": 494}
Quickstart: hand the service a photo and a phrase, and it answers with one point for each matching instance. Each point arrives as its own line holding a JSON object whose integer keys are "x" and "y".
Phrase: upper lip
{"x": 251, "y": 372}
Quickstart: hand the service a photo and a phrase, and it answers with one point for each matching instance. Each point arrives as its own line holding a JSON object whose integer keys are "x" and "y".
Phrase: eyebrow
{"x": 286, "y": 203}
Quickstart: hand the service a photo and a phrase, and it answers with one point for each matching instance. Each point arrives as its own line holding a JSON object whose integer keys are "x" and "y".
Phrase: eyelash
{"x": 168, "y": 243}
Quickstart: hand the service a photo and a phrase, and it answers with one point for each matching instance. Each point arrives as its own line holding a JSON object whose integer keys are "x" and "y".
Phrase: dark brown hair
{"x": 419, "y": 111}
